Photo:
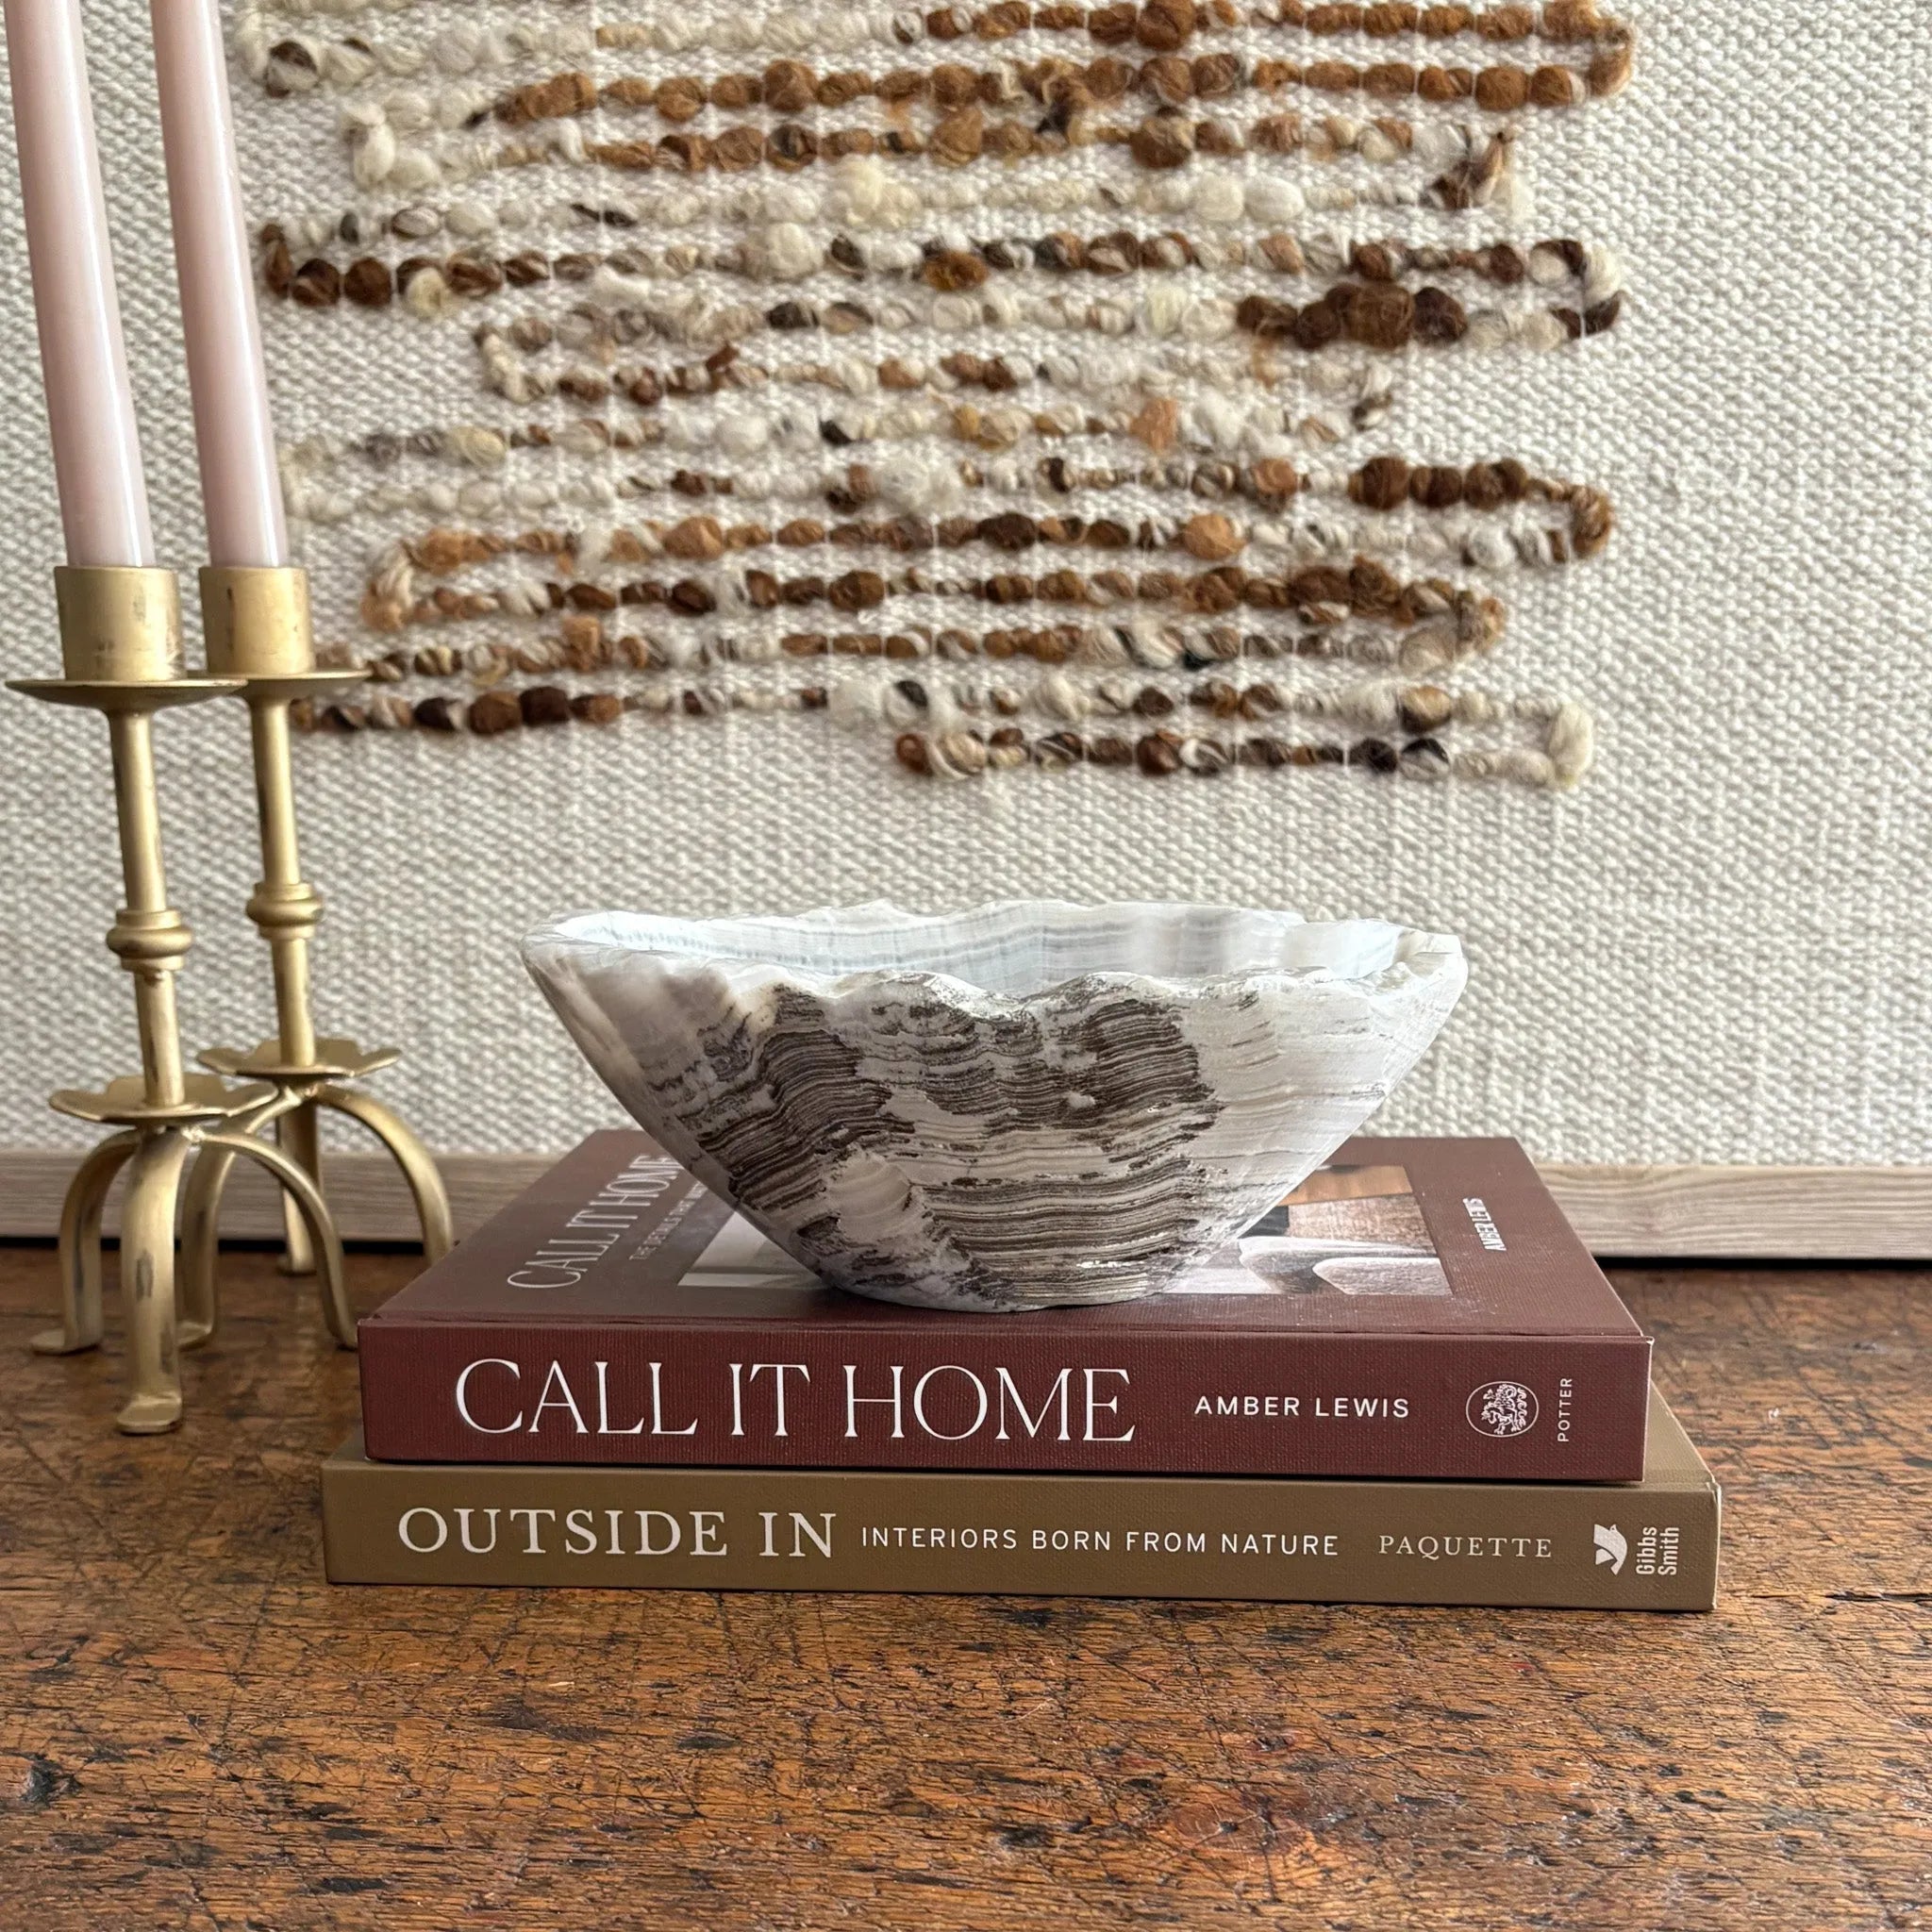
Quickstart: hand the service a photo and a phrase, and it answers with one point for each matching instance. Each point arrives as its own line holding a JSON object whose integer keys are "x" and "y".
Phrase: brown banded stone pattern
{"x": 998, "y": 387}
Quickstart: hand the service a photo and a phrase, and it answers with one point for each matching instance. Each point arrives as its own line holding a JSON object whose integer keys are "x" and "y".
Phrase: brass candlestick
{"x": 257, "y": 630}
{"x": 121, "y": 651}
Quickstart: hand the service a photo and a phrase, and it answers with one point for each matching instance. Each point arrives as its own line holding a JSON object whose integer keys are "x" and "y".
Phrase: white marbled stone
{"x": 1027, "y": 1104}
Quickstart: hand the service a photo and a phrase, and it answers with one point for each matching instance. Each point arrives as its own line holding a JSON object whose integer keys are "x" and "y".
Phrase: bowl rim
{"x": 1420, "y": 954}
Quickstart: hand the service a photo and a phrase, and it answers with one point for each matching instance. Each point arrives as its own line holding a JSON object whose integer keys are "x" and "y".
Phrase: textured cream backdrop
{"x": 1715, "y": 950}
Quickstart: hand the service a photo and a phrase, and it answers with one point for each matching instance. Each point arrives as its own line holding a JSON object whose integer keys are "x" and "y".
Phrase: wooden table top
{"x": 196, "y": 1730}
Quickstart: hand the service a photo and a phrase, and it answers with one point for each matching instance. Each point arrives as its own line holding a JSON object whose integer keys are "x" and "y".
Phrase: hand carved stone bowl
{"x": 1028, "y": 1104}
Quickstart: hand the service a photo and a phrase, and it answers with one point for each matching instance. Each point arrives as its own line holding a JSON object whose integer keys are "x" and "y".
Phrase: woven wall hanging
{"x": 985, "y": 388}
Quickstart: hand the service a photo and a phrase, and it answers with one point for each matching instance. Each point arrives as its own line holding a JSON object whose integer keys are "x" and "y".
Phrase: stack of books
{"x": 1408, "y": 1383}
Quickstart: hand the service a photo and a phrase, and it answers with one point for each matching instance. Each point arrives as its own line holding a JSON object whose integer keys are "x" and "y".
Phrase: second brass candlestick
{"x": 257, "y": 630}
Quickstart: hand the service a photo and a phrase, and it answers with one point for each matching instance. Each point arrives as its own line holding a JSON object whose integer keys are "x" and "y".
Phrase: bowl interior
{"x": 1021, "y": 947}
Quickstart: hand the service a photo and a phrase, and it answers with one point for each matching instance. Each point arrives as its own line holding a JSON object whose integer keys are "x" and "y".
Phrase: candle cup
{"x": 121, "y": 647}
{"x": 257, "y": 629}
{"x": 118, "y": 625}
{"x": 256, "y": 623}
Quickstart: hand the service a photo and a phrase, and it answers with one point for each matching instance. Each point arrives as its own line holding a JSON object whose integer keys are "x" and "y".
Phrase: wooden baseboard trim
{"x": 370, "y": 1200}
{"x": 1797, "y": 1213}
{"x": 1790, "y": 1213}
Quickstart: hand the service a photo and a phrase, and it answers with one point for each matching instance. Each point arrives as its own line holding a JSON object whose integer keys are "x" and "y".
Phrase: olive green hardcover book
{"x": 1645, "y": 1546}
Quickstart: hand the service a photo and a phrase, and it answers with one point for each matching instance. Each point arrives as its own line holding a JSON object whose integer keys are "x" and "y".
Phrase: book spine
{"x": 1501, "y": 1545}
{"x": 1010, "y": 1396}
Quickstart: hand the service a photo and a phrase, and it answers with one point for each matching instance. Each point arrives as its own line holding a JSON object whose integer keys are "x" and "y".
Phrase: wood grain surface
{"x": 197, "y": 1731}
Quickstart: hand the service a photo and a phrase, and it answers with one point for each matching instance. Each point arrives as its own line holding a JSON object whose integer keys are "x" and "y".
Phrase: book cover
{"x": 1417, "y": 1307}
{"x": 1648, "y": 1546}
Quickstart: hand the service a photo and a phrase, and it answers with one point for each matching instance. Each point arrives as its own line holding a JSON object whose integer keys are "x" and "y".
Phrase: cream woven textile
{"x": 1704, "y": 951}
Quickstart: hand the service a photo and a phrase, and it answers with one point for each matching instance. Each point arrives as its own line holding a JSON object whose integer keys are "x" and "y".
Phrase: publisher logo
{"x": 1611, "y": 1546}
{"x": 1501, "y": 1408}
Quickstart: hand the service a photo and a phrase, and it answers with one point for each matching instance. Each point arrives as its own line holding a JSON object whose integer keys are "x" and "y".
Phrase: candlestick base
{"x": 156, "y": 1150}
{"x": 299, "y": 1091}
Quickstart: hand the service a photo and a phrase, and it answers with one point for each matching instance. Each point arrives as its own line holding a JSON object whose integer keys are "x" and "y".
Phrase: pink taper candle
{"x": 240, "y": 489}
{"x": 83, "y": 360}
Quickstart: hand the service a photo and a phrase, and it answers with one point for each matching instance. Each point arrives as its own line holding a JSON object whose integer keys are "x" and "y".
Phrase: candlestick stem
{"x": 284, "y": 907}
{"x": 285, "y": 910}
{"x": 149, "y": 937}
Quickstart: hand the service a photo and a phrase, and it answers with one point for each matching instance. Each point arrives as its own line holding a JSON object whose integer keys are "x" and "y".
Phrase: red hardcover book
{"x": 1417, "y": 1307}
